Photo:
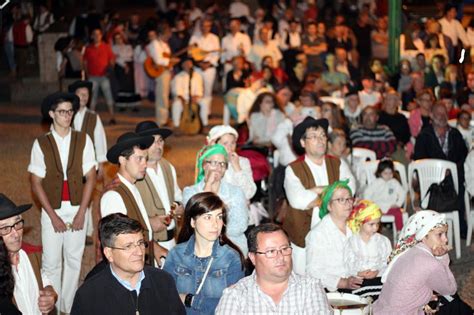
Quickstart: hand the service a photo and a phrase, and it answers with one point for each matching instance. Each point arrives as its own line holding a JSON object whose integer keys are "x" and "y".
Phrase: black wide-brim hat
{"x": 300, "y": 129}
{"x": 127, "y": 141}
{"x": 151, "y": 128}
{"x": 72, "y": 88}
{"x": 8, "y": 209}
{"x": 53, "y": 99}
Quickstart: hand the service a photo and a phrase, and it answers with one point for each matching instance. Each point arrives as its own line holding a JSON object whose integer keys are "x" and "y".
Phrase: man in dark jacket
{"x": 126, "y": 286}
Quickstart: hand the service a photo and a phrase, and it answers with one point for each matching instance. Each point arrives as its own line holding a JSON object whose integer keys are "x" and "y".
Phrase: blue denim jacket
{"x": 187, "y": 270}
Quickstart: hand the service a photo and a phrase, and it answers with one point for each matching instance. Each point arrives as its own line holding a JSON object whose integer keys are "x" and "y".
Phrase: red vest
{"x": 19, "y": 33}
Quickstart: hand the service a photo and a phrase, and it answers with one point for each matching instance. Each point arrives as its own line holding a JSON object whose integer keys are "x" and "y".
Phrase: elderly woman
{"x": 211, "y": 165}
{"x": 325, "y": 242}
{"x": 239, "y": 172}
{"x": 418, "y": 267}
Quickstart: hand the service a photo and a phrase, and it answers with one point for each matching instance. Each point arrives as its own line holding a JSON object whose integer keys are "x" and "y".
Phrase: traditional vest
{"x": 88, "y": 124}
{"x": 298, "y": 221}
{"x": 53, "y": 181}
{"x": 151, "y": 199}
{"x": 19, "y": 34}
{"x": 133, "y": 212}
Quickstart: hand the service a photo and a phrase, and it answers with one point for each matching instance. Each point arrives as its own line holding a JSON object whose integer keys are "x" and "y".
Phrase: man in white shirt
{"x": 159, "y": 50}
{"x": 43, "y": 20}
{"x": 130, "y": 153}
{"x": 33, "y": 291}
{"x": 306, "y": 179}
{"x": 159, "y": 189}
{"x": 234, "y": 44}
{"x": 368, "y": 96}
{"x": 264, "y": 47}
{"x": 181, "y": 89}
{"x": 210, "y": 44}
{"x": 452, "y": 28}
{"x": 63, "y": 176}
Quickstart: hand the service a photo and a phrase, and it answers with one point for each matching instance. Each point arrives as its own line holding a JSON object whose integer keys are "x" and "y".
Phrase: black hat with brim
{"x": 151, "y": 128}
{"x": 127, "y": 141}
{"x": 72, "y": 88}
{"x": 54, "y": 98}
{"x": 300, "y": 129}
{"x": 8, "y": 209}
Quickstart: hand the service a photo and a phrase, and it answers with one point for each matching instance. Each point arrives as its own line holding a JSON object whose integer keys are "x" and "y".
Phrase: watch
{"x": 188, "y": 300}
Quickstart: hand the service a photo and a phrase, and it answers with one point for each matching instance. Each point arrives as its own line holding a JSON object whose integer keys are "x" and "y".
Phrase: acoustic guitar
{"x": 154, "y": 71}
{"x": 190, "y": 123}
{"x": 199, "y": 54}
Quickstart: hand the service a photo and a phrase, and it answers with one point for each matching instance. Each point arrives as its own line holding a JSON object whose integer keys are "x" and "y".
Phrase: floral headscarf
{"x": 363, "y": 212}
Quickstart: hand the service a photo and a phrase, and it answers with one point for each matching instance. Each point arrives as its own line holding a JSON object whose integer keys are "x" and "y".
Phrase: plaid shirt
{"x": 304, "y": 295}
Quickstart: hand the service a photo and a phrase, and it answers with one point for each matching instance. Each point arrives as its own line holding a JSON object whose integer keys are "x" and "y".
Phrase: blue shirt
{"x": 127, "y": 284}
{"x": 188, "y": 270}
{"x": 237, "y": 214}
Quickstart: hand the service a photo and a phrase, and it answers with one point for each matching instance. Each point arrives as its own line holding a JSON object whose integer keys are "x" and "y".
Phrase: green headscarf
{"x": 203, "y": 154}
{"x": 327, "y": 195}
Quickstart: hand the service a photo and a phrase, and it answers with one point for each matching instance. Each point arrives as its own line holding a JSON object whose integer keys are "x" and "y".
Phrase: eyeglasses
{"x": 322, "y": 137}
{"x": 216, "y": 163}
{"x": 344, "y": 201}
{"x": 63, "y": 112}
{"x": 7, "y": 229}
{"x": 272, "y": 253}
{"x": 130, "y": 247}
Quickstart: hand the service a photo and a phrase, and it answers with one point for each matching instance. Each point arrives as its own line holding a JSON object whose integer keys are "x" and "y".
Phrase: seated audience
{"x": 368, "y": 95}
{"x": 264, "y": 118}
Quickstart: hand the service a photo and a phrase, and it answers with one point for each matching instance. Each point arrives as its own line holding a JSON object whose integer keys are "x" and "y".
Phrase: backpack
{"x": 443, "y": 196}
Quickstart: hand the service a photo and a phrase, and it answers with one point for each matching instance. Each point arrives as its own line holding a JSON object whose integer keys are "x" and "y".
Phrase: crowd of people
{"x": 304, "y": 84}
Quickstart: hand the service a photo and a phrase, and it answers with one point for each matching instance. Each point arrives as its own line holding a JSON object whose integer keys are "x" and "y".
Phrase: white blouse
{"x": 385, "y": 193}
{"x": 360, "y": 256}
{"x": 324, "y": 246}
{"x": 243, "y": 178}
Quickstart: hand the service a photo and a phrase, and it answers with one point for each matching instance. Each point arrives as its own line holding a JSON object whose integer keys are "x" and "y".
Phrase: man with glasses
{"x": 305, "y": 180}
{"x": 126, "y": 285}
{"x": 63, "y": 176}
{"x": 273, "y": 287}
{"x": 33, "y": 293}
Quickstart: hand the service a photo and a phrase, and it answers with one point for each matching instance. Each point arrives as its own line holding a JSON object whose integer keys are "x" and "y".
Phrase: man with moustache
{"x": 159, "y": 189}
{"x": 273, "y": 287}
{"x": 126, "y": 285}
{"x": 33, "y": 292}
{"x": 130, "y": 153}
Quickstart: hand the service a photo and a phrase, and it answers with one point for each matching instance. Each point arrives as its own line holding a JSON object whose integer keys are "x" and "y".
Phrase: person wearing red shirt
{"x": 98, "y": 59}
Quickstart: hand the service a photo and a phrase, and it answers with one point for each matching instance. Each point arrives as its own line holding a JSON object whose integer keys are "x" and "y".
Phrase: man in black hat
{"x": 63, "y": 173}
{"x": 305, "y": 180}
{"x": 89, "y": 122}
{"x": 34, "y": 293}
{"x": 130, "y": 153}
{"x": 159, "y": 189}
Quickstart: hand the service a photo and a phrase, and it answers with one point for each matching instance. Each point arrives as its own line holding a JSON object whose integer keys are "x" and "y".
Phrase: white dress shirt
{"x": 260, "y": 50}
{"x": 300, "y": 198}
{"x": 454, "y": 30}
{"x": 100, "y": 140}
{"x": 37, "y": 165}
{"x": 156, "y": 50}
{"x": 26, "y": 292}
{"x": 158, "y": 179}
{"x": 232, "y": 45}
{"x": 180, "y": 85}
{"x": 324, "y": 247}
{"x": 209, "y": 42}
{"x": 281, "y": 140}
{"x": 112, "y": 202}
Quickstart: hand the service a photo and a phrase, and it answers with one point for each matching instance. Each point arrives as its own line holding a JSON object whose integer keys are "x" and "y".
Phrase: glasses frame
{"x": 131, "y": 247}
{"x": 217, "y": 163}
{"x": 345, "y": 200}
{"x": 272, "y": 253}
{"x": 11, "y": 227}
{"x": 63, "y": 112}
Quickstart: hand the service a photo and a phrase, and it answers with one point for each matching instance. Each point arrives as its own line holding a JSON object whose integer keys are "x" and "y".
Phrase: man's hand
{"x": 58, "y": 224}
{"x": 159, "y": 251}
{"x": 177, "y": 211}
{"x": 159, "y": 222}
{"x": 47, "y": 299}
{"x": 78, "y": 222}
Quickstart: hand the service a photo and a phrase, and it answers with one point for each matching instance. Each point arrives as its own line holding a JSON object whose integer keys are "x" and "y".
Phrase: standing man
{"x": 305, "y": 180}
{"x": 273, "y": 288}
{"x": 33, "y": 292}
{"x": 126, "y": 285}
{"x": 98, "y": 59}
{"x": 452, "y": 28}
{"x": 130, "y": 153}
{"x": 159, "y": 189}
{"x": 159, "y": 50}
{"x": 235, "y": 43}
{"x": 63, "y": 174}
{"x": 209, "y": 43}
{"x": 89, "y": 122}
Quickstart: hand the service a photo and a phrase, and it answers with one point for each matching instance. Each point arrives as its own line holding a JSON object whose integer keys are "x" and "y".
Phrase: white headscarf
{"x": 218, "y": 131}
{"x": 416, "y": 228}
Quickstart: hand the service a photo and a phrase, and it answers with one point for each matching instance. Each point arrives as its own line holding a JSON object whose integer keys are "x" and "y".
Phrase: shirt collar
{"x": 56, "y": 135}
{"x": 127, "y": 284}
{"x": 126, "y": 182}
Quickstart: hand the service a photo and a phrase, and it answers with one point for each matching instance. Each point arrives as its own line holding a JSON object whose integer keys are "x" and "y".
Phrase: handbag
{"x": 443, "y": 196}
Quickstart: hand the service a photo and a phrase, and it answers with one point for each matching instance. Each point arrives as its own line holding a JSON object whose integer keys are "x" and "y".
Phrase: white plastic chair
{"x": 469, "y": 216}
{"x": 364, "y": 154}
{"x": 369, "y": 168}
{"x": 433, "y": 171}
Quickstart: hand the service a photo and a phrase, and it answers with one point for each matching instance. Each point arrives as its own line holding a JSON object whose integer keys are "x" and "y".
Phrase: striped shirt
{"x": 304, "y": 295}
{"x": 380, "y": 139}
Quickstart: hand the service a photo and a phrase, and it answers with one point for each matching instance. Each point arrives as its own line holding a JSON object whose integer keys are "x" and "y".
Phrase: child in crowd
{"x": 366, "y": 252}
{"x": 464, "y": 127}
{"x": 387, "y": 192}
